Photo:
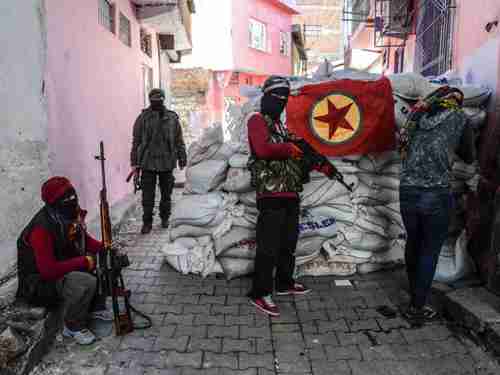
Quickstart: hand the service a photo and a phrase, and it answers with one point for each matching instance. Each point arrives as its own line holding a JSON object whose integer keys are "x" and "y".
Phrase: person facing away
{"x": 438, "y": 127}
{"x": 53, "y": 267}
{"x": 157, "y": 147}
{"x": 278, "y": 178}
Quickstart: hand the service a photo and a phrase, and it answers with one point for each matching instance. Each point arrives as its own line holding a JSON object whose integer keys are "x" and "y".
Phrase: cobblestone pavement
{"x": 206, "y": 326}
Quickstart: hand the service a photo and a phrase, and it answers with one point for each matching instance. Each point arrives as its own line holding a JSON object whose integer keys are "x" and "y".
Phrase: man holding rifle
{"x": 157, "y": 147}
{"x": 53, "y": 266}
{"x": 279, "y": 168}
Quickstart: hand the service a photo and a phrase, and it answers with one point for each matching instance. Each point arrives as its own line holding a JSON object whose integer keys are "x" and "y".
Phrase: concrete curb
{"x": 475, "y": 309}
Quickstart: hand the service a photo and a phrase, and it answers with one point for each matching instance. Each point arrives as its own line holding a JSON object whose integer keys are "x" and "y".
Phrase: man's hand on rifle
{"x": 134, "y": 172}
{"x": 90, "y": 263}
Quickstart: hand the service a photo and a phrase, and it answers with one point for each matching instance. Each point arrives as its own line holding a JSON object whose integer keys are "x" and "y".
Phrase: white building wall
{"x": 23, "y": 119}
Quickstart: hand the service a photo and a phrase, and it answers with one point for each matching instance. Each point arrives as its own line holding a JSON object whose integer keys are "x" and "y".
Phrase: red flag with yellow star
{"x": 344, "y": 117}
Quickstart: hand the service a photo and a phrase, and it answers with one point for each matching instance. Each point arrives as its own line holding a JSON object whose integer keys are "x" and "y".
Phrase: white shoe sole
{"x": 260, "y": 308}
{"x": 293, "y": 293}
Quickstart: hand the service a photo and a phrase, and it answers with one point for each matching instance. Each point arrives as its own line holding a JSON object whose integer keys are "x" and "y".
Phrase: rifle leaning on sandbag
{"x": 109, "y": 265}
{"x": 312, "y": 157}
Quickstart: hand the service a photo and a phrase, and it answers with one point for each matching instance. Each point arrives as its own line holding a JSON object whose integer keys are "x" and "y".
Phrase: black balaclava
{"x": 156, "y": 98}
{"x": 276, "y": 90}
{"x": 67, "y": 206}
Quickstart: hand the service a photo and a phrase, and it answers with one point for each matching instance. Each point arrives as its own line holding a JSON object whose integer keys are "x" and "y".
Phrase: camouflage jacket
{"x": 427, "y": 164}
{"x": 157, "y": 142}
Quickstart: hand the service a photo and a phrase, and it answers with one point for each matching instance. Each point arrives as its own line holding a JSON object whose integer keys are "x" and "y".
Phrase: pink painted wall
{"x": 277, "y": 19}
{"x": 95, "y": 92}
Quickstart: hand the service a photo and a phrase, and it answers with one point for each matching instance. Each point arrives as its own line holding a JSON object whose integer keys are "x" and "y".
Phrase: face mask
{"x": 273, "y": 104}
{"x": 157, "y": 105}
{"x": 68, "y": 207}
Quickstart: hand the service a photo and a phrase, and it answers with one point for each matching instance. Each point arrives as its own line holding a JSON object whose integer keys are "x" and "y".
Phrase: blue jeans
{"x": 426, "y": 216}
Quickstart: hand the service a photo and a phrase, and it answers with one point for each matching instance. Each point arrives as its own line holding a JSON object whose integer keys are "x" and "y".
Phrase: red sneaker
{"x": 266, "y": 305}
{"x": 295, "y": 289}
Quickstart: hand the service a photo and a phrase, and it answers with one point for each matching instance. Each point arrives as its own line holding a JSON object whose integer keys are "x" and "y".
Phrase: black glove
{"x": 182, "y": 164}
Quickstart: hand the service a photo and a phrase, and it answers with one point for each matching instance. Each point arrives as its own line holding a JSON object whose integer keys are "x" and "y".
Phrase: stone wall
{"x": 23, "y": 115}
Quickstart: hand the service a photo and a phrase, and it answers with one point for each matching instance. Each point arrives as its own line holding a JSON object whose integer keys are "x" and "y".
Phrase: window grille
{"x": 399, "y": 60}
{"x": 107, "y": 15}
{"x": 434, "y": 37}
{"x": 146, "y": 43}
{"x": 284, "y": 43}
{"x": 312, "y": 31}
{"x": 258, "y": 35}
{"x": 125, "y": 33}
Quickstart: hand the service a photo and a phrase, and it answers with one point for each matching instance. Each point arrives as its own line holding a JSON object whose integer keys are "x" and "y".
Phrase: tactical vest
{"x": 275, "y": 176}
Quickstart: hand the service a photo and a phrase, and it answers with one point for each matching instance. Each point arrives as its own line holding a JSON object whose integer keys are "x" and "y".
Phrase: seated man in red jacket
{"x": 52, "y": 265}
{"x": 278, "y": 177}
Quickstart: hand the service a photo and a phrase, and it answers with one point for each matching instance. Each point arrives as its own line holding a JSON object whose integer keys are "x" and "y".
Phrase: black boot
{"x": 146, "y": 228}
{"x": 164, "y": 223}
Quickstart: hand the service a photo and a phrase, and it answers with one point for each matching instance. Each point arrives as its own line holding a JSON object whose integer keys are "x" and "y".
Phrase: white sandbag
{"x": 354, "y": 74}
{"x": 392, "y": 212}
{"x": 411, "y": 85}
{"x": 454, "y": 261}
{"x": 226, "y": 151}
{"x": 191, "y": 255}
{"x": 189, "y": 231}
{"x": 239, "y": 161}
{"x": 245, "y": 249}
{"x": 309, "y": 245}
{"x": 334, "y": 247}
{"x": 385, "y": 181}
{"x": 211, "y": 135}
{"x": 322, "y": 267}
{"x": 248, "y": 199}
{"x": 232, "y": 238}
{"x": 8, "y": 290}
{"x": 317, "y": 221}
{"x": 354, "y": 238}
{"x": 369, "y": 220}
{"x": 395, "y": 254}
{"x": 475, "y": 96}
{"x": 248, "y": 219}
{"x": 396, "y": 231}
{"x": 236, "y": 267}
{"x": 342, "y": 203}
{"x": 344, "y": 164}
{"x": 307, "y": 258}
{"x": 321, "y": 192}
{"x": 197, "y": 210}
{"x": 238, "y": 180}
{"x": 197, "y": 154}
{"x": 374, "y": 195}
{"x": 205, "y": 176}
{"x": 375, "y": 163}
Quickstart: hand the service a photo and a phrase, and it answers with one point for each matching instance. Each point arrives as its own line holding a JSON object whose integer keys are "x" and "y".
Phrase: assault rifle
{"x": 109, "y": 265}
{"x": 312, "y": 157}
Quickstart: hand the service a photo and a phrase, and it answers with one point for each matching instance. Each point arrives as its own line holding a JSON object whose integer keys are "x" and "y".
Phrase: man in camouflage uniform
{"x": 157, "y": 147}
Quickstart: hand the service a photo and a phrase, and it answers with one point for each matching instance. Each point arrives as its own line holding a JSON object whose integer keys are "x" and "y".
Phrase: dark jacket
{"x": 157, "y": 143}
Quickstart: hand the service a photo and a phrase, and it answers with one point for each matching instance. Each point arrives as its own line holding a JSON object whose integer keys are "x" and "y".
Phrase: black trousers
{"x": 277, "y": 235}
{"x": 148, "y": 182}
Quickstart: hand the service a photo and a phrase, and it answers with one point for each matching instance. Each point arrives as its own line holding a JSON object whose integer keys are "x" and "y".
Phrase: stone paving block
{"x": 194, "y": 309}
{"x": 312, "y": 341}
{"x": 151, "y": 298}
{"x": 302, "y": 305}
{"x": 228, "y": 291}
{"x": 236, "y": 300}
{"x": 211, "y": 345}
{"x": 342, "y": 352}
{"x": 186, "y": 319}
{"x": 395, "y": 323}
{"x": 172, "y": 309}
{"x": 335, "y": 314}
{"x": 363, "y": 325}
{"x": 281, "y": 328}
{"x": 368, "y": 313}
{"x": 287, "y": 314}
{"x": 216, "y": 320}
{"x": 223, "y": 331}
{"x": 281, "y": 338}
{"x": 175, "y": 359}
{"x": 357, "y": 338}
{"x": 331, "y": 326}
{"x": 228, "y": 360}
{"x": 263, "y": 346}
{"x": 392, "y": 337}
{"x": 123, "y": 357}
{"x": 163, "y": 371}
{"x": 233, "y": 345}
{"x": 317, "y": 353}
{"x": 147, "y": 359}
{"x": 224, "y": 310}
{"x": 137, "y": 343}
{"x": 244, "y": 320}
{"x": 178, "y": 343}
{"x": 351, "y": 303}
{"x": 256, "y": 360}
{"x": 180, "y": 299}
{"x": 310, "y": 328}
{"x": 247, "y": 309}
{"x": 193, "y": 331}
{"x": 300, "y": 365}
{"x": 309, "y": 316}
{"x": 147, "y": 308}
{"x": 426, "y": 333}
{"x": 219, "y": 371}
{"x": 209, "y": 300}
{"x": 332, "y": 368}
{"x": 114, "y": 370}
{"x": 258, "y": 332}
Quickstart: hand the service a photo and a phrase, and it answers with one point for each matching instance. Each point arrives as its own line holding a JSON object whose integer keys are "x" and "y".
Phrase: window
{"x": 284, "y": 43}
{"x": 146, "y": 43}
{"x": 312, "y": 31}
{"x": 147, "y": 81}
{"x": 125, "y": 34}
{"x": 107, "y": 15}
{"x": 258, "y": 35}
